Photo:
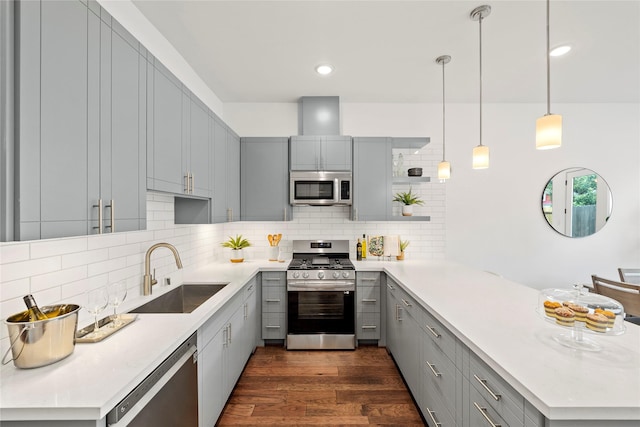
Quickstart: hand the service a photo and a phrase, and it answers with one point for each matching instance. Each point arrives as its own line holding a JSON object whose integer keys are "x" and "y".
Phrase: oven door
{"x": 321, "y": 312}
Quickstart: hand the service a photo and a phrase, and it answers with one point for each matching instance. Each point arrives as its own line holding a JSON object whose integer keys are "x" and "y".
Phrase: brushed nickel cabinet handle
{"x": 193, "y": 184}
{"x": 432, "y": 415}
{"x": 482, "y": 382}
{"x": 272, "y": 300}
{"x": 272, "y": 326}
{"x": 369, "y": 300}
{"x": 186, "y": 183}
{"x": 112, "y": 220}
{"x": 433, "y": 331}
{"x": 229, "y": 215}
{"x": 432, "y": 367}
{"x": 390, "y": 287}
{"x": 406, "y": 302}
{"x": 99, "y": 206}
{"x": 368, "y": 279}
{"x": 483, "y": 411}
{"x": 229, "y": 333}
{"x": 369, "y": 327}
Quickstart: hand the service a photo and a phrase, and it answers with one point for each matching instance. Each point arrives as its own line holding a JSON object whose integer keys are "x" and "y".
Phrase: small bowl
{"x": 415, "y": 172}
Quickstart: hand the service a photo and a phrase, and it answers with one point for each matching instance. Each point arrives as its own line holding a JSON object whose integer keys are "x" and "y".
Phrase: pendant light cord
{"x": 480, "y": 31}
{"x": 548, "y": 66}
{"x": 443, "y": 112}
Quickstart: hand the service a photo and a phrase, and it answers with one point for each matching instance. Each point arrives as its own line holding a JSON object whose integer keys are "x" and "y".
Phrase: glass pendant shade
{"x": 549, "y": 131}
{"x": 481, "y": 157}
{"x": 444, "y": 170}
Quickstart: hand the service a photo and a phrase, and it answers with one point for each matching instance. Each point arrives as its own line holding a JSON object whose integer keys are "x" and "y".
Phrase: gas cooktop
{"x": 321, "y": 263}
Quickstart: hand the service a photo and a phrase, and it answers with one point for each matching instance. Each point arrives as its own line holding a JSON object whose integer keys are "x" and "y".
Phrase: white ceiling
{"x": 385, "y": 51}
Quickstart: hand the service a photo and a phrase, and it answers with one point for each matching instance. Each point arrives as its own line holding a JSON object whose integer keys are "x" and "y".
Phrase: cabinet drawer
{"x": 440, "y": 374}
{"x": 434, "y": 410}
{"x": 274, "y": 299}
{"x": 499, "y": 395}
{"x": 407, "y": 303}
{"x": 368, "y": 326}
{"x": 482, "y": 414}
{"x": 439, "y": 335}
{"x": 368, "y": 299}
{"x": 274, "y": 278}
{"x": 368, "y": 278}
{"x": 273, "y": 326}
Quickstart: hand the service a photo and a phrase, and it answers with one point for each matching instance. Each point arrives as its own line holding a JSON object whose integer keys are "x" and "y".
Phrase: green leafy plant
{"x": 403, "y": 245}
{"x": 237, "y": 242}
{"x": 408, "y": 198}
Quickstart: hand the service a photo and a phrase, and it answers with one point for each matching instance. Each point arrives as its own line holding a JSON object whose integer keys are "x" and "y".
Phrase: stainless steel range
{"x": 321, "y": 283}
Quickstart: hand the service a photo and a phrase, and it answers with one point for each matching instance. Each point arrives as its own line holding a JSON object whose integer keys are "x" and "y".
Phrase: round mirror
{"x": 576, "y": 202}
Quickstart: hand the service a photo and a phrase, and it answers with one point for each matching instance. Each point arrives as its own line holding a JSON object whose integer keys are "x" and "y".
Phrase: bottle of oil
{"x": 32, "y": 308}
{"x": 359, "y": 251}
{"x": 364, "y": 247}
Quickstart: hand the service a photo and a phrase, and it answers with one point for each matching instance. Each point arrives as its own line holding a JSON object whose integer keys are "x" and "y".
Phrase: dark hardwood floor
{"x": 322, "y": 388}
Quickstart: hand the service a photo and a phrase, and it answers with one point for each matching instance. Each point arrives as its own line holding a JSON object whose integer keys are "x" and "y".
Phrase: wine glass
{"x": 97, "y": 300}
{"x": 117, "y": 293}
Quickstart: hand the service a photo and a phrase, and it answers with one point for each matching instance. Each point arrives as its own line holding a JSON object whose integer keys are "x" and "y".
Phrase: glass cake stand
{"x": 574, "y": 336}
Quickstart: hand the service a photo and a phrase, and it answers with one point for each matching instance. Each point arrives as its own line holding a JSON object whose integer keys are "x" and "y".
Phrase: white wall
{"x": 493, "y": 218}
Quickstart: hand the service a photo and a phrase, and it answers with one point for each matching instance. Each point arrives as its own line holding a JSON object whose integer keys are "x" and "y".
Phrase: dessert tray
{"x": 585, "y": 304}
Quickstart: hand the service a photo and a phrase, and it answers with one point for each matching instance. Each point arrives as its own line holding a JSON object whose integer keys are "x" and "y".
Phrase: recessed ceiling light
{"x": 324, "y": 69}
{"x": 560, "y": 50}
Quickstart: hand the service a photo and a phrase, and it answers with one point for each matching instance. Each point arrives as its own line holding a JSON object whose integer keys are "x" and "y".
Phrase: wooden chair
{"x": 627, "y": 294}
{"x": 630, "y": 275}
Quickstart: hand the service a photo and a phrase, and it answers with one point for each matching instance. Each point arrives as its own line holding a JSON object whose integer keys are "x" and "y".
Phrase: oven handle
{"x": 321, "y": 285}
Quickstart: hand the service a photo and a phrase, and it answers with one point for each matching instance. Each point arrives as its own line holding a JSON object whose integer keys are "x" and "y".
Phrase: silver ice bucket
{"x": 40, "y": 343}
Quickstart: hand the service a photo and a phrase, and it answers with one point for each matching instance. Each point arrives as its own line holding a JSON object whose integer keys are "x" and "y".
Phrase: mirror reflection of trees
{"x": 576, "y": 202}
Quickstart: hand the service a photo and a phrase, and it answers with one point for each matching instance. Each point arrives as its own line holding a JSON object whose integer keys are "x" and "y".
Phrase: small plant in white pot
{"x": 403, "y": 246}
{"x": 408, "y": 199}
{"x": 236, "y": 244}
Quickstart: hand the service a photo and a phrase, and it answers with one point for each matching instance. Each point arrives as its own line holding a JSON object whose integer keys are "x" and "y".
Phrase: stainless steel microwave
{"x": 320, "y": 188}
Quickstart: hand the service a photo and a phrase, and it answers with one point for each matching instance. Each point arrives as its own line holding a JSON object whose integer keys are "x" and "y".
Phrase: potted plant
{"x": 236, "y": 244}
{"x": 408, "y": 199}
{"x": 403, "y": 246}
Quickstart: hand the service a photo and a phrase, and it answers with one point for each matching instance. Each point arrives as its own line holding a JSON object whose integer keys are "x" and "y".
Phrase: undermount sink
{"x": 183, "y": 299}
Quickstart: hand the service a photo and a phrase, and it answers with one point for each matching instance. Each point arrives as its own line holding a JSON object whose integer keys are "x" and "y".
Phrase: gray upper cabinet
{"x": 72, "y": 76}
{"x": 264, "y": 180}
{"x": 226, "y": 172}
{"x": 164, "y": 151}
{"x": 371, "y": 172}
{"x": 331, "y": 153}
{"x": 199, "y": 149}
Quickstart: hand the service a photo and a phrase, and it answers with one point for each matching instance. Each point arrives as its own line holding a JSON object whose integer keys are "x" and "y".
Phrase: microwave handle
{"x": 337, "y": 192}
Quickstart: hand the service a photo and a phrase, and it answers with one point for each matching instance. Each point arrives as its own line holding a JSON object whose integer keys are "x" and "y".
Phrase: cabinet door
{"x": 336, "y": 153}
{"x": 305, "y": 152}
{"x": 219, "y": 171}
{"x": 167, "y": 132}
{"x": 235, "y": 355}
{"x": 199, "y": 154}
{"x": 371, "y": 179}
{"x": 123, "y": 135}
{"x": 233, "y": 173}
{"x": 264, "y": 185}
{"x": 52, "y": 119}
{"x": 212, "y": 394}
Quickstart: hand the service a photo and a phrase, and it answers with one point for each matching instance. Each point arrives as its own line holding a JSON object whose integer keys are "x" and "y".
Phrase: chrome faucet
{"x": 149, "y": 280}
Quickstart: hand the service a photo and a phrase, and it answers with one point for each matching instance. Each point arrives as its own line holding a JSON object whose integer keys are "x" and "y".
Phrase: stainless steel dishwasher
{"x": 167, "y": 397}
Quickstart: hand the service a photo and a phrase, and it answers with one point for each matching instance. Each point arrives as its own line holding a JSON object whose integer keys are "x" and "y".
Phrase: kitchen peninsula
{"x": 494, "y": 318}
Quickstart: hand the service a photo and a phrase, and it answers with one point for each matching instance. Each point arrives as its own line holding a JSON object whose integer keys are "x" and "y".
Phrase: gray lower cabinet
{"x": 225, "y": 343}
{"x": 330, "y": 153}
{"x": 226, "y": 172}
{"x": 274, "y": 305}
{"x": 368, "y": 319}
{"x": 80, "y": 121}
{"x": 372, "y": 167}
{"x": 452, "y": 385}
{"x": 264, "y": 179}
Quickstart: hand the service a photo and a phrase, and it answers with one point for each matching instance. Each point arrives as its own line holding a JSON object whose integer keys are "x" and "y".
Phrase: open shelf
{"x": 410, "y": 179}
{"x": 410, "y": 218}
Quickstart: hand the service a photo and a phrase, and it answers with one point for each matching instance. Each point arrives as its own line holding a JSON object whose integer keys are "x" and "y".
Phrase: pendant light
{"x": 481, "y": 152}
{"x": 444, "y": 167}
{"x": 549, "y": 126}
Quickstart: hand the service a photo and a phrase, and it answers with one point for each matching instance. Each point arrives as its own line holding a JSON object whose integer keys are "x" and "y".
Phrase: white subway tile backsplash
{"x": 57, "y": 278}
{"x": 24, "y": 269}
{"x": 15, "y": 289}
{"x": 106, "y": 240}
{"x": 84, "y": 258}
{"x": 14, "y": 252}
{"x": 47, "y": 248}
{"x": 106, "y": 266}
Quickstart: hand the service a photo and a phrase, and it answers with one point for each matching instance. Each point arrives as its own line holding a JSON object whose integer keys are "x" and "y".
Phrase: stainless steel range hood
{"x": 319, "y": 115}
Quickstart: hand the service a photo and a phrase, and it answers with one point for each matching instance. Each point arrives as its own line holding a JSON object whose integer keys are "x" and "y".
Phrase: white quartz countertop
{"x": 494, "y": 317}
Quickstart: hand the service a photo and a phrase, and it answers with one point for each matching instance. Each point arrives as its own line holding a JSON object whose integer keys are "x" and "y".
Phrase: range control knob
{"x": 296, "y": 275}
{"x": 320, "y": 274}
{"x": 345, "y": 274}
{"x": 305, "y": 275}
{"x": 335, "y": 274}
